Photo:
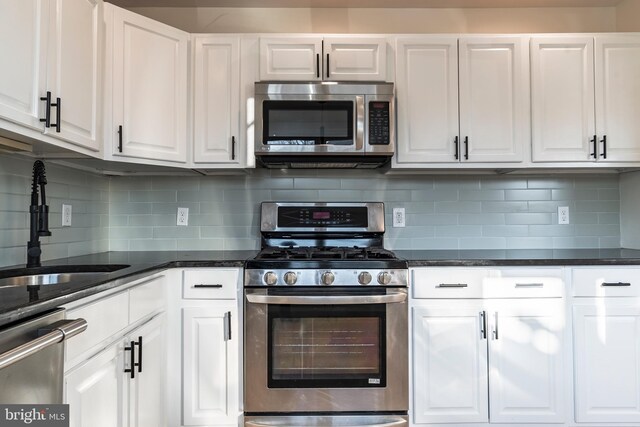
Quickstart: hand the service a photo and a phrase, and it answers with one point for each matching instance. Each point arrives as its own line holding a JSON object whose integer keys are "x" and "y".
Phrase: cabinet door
{"x": 23, "y": 32}
{"x": 95, "y": 391}
{"x": 494, "y": 100}
{"x": 427, "y": 90}
{"x": 73, "y": 69}
{"x": 149, "y": 88}
{"x": 607, "y": 363}
{"x": 449, "y": 364}
{"x": 217, "y": 94}
{"x": 210, "y": 376}
{"x": 147, "y": 389}
{"x": 295, "y": 58}
{"x": 618, "y": 97}
{"x": 353, "y": 59}
{"x": 562, "y": 99}
{"x": 526, "y": 361}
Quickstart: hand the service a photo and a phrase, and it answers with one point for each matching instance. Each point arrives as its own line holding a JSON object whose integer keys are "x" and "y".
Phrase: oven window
{"x": 307, "y": 122}
{"x": 327, "y": 346}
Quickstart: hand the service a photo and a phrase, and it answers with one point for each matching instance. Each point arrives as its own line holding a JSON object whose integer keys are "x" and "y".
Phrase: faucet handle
{"x": 43, "y": 221}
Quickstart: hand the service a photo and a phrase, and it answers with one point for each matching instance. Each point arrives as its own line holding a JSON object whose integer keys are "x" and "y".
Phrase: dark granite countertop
{"x": 524, "y": 257}
{"x": 19, "y": 302}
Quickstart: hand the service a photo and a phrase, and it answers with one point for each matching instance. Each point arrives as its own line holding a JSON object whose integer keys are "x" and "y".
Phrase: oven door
{"x": 326, "y": 350}
{"x": 309, "y": 124}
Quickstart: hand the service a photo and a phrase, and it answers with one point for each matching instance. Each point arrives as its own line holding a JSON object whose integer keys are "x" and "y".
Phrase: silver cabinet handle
{"x": 483, "y": 324}
{"x": 314, "y": 299}
{"x": 495, "y": 329}
{"x": 452, "y": 285}
{"x": 529, "y": 285}
{"x": 55, "y": 333}
{"x": 227, "y": 326}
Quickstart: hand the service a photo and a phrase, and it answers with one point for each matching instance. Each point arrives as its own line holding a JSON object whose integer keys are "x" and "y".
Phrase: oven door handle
{"x": 391, "y": 297}
{"x": 398, "y": 423}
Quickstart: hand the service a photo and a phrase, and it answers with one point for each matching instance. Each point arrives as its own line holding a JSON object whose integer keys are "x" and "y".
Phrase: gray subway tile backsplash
{"x": 442, "y": 211}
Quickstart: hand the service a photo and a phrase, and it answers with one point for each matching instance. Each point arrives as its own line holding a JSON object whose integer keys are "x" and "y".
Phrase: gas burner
{"x": 320, "y": 253}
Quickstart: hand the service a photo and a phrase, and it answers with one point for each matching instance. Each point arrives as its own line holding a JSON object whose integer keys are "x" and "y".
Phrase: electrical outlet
{"x": 398, "y": 217}
{"x": 183, "y": 216}
{"x": 66, "y": 215}
{"x": 563, "y": 214}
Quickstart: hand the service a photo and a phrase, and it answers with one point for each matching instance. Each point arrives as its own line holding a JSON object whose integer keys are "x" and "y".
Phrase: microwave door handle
{"x": 392, "y": 297}
{"x": 360, "y": 120}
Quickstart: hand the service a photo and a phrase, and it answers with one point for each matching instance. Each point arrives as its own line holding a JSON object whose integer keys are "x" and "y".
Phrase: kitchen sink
{"x": 56, "y": 274}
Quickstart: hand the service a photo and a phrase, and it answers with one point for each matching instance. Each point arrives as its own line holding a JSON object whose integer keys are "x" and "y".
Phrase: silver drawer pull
{"x": 529, "y": 285}
{"x": 616, "y": 284}
{"x": 204, "y": 285}
{"x": 452, "y": 285}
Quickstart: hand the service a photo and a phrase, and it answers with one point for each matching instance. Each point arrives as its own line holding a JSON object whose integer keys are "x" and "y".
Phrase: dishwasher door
{"x": 32, "y": 358}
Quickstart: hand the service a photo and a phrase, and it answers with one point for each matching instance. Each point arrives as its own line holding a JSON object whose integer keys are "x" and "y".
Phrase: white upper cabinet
{"x": 311, "y": 58}
{"x": 23, "y": 38}
{"x": 148, "y": 81}
{"x": 579, "y": 115}
{"x": 462, "y": 100}
{"x": 216, "y": 94}
{"x": 494, "y": 88}
{"x": 55, "y": 53}
{"x": 427, "y": 94}
{"x": 618, "y": 97}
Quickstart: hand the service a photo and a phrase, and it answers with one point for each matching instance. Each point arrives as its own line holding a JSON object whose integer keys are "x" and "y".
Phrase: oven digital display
{"x": 321, "y": 215}
{"x": 328, "y": 217}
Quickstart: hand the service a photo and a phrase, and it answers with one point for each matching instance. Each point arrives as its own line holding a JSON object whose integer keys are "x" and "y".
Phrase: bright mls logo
{"x": 34, "y": 415}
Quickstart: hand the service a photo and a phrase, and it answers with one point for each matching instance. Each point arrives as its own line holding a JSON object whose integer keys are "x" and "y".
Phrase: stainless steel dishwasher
{"x": 32, "y": 358}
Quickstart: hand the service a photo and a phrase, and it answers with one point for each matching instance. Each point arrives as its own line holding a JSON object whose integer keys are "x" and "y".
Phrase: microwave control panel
{"x": 379, "y": 123}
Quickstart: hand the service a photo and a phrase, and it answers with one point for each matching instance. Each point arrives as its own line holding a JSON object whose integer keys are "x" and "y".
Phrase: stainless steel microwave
{"x": 324, "y": 125}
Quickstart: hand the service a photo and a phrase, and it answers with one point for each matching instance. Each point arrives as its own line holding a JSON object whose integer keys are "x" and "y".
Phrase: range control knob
{"x": 327, "y": 278}
{"x": 384, "y": 278}
{"x": 364, "y": 278}
{"x": 290, "y": 278}
{"x": 270, "y": 278}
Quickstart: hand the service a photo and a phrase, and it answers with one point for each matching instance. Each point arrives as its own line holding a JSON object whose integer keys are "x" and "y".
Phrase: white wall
{"x": 628, "y": 16}
{"x": 345, "y": 20}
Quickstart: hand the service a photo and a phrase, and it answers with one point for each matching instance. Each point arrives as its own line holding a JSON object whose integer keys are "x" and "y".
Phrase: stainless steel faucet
{"x": 39, "y": 215}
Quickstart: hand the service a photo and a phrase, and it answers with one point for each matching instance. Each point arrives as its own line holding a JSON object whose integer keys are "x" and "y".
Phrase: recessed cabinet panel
{"x": 23, "y": 40}
{"x": 216, "y": 96}
{"x": 618, "y": 97}
{"x": 149, "y": 88}
{"x": 354, "y": 59}
{"x": 296, "y": 58}
{"x": 526, "y": 369}
{"x": 450, "y": 365}
{"x": 493, "y": 98}
{"x": 427, "y": 93}
{"x": 607, "y": 363}
{"x": 74, "y": 69}
{"x": 562, "y": 98}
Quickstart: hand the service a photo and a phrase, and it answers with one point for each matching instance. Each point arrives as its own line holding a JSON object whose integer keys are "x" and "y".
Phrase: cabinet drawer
{"x": 114, "y": 308}
{"x": 448, "y": 282}
{"x": 146, "y": 299}
{"x": 524, "y": 287}
{"x": 210, "y": 284}
{"x": 606, "y": 282}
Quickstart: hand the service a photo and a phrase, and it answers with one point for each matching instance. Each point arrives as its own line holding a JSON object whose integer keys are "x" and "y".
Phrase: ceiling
{"x": 368, "y": 3}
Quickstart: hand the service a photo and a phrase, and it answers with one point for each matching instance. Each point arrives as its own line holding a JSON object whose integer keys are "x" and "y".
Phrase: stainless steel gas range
{"x": 325, "y": 319}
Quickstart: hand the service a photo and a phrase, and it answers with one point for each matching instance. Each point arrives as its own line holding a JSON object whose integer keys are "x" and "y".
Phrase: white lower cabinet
{"x": 119, "y": 380}
{"x": 210, "y": 368}
{"x": 606, "y": 335}
{"x": 205, "y": 341}
{"x": 498, "y": 358}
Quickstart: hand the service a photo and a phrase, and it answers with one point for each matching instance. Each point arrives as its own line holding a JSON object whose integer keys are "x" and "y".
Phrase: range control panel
{"x": 379, "y": 123}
